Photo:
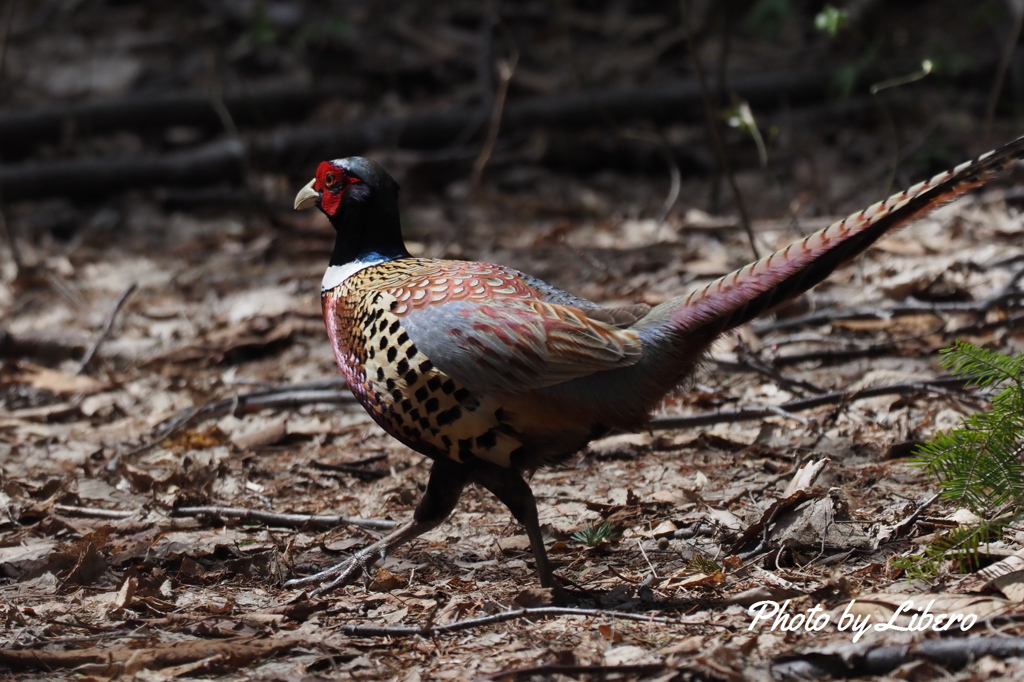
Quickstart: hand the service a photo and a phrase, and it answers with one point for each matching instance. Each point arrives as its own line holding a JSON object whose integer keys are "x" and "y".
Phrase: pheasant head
{"x": 361, "y": 201}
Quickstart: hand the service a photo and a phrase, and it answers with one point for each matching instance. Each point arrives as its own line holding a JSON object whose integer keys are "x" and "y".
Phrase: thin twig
{"x": 875, "y": 89}
{"x": 93, "y": 512}
{"x": 675, "y": 176}
{"x": 747, "y": 358}
{"x": 779, "y": 412}
{"x": 716, "y": 135}
{"x": 286, "y": 520}
{"x": 108, "y": 324}
{"x": 12, "y": 245}
{"x": 675, "y": 179}
{"x": 181, "y": 423}
{"x": 906, "y": 525}
{"x": 643, "y": 552}
{"x": 1009, "y": 47}
{"x": 506, "y": 69}
{"x": 4, "y": 230}
{"x": 832, "y": 356}
{"x": 828, "y": 356}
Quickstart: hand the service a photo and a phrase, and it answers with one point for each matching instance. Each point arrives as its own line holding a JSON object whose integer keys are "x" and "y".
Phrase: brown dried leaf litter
{"x": 103, "y": 578}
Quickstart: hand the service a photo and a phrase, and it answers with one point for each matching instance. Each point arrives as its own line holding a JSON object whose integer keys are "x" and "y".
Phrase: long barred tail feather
{"x": 756, "y": 288}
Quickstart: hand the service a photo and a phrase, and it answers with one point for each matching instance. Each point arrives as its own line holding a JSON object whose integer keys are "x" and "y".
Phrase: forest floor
{"x": 213, "y": 386}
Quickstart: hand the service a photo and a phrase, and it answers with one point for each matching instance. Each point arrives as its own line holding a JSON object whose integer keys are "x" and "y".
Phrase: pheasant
{"x": 493, "y": 373}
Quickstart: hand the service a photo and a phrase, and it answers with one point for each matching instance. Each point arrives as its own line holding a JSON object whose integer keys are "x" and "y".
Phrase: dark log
{"x": 298, "y": 149}
{"x": 292, "y": 150}
{"x": 222, "y": 161}
{"x": 871, "y": 659}
{"x": 23, "y": 129}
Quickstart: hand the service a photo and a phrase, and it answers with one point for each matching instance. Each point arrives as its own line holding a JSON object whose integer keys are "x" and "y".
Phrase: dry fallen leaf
{"x": 59, "y": 383}
{"x": 1007, "y": 576}
{"x": 386, "y": 581}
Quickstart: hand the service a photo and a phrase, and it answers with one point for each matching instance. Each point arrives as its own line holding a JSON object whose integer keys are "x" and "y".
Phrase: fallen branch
{"x": 327, "y": 391}
{"x": 21, "y": 129}
{"x": 286, "y": 520}
{"x": 827, "y": 356}
{"x": 983, "y": 327}
{"x": 752, "y": 361}
{"x": 429, "y": 630}
{"x": 216, "y": 655}
{"x": 674, "y": 101}
{"x": 504, "y": 617}
{"x": 354, "y": 468}
{"x": 591, "y": 671}
{"x": 222, "y": 161}
{"x": 41, "y": 350}
{"x": 879, "y": 660}
{"x": 834, "y": 398}
{"x": 874, "y": 312}
{"x": 93, "y": 512}
{"x": 330, "y": 391}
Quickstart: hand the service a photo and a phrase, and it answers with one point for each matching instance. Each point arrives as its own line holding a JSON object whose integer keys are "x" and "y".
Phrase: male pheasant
{"x": 492, "y": 373}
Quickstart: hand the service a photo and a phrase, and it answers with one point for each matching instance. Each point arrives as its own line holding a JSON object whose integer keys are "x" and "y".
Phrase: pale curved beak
{"x": 306, "y": 197}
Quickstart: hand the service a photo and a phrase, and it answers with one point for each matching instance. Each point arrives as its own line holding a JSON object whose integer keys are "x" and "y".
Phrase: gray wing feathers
{"x": 518, "y": 346}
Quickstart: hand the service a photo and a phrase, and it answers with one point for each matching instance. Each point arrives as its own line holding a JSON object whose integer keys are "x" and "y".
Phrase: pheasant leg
{"x": 447, "y": 480}
{"x": 515, "y": 493}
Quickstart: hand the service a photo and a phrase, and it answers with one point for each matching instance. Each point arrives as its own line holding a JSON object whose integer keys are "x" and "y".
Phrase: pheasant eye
{"x": 330, "y": 179}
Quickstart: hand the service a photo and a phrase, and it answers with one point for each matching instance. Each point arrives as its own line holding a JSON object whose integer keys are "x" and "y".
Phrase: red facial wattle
{"x": 331, "y": 182}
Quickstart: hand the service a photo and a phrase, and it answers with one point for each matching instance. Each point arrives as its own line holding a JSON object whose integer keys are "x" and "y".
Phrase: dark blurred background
{"x": 117, "y": 115}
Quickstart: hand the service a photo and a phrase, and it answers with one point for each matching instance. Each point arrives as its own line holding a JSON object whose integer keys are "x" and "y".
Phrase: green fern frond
{"x": 982, "y": 367}
{"x": 977, "y": 464}
{"x": 961, "y": 550}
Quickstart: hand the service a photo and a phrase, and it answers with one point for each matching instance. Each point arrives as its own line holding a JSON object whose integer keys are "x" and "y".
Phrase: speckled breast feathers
{"x": 432, "y": 349}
